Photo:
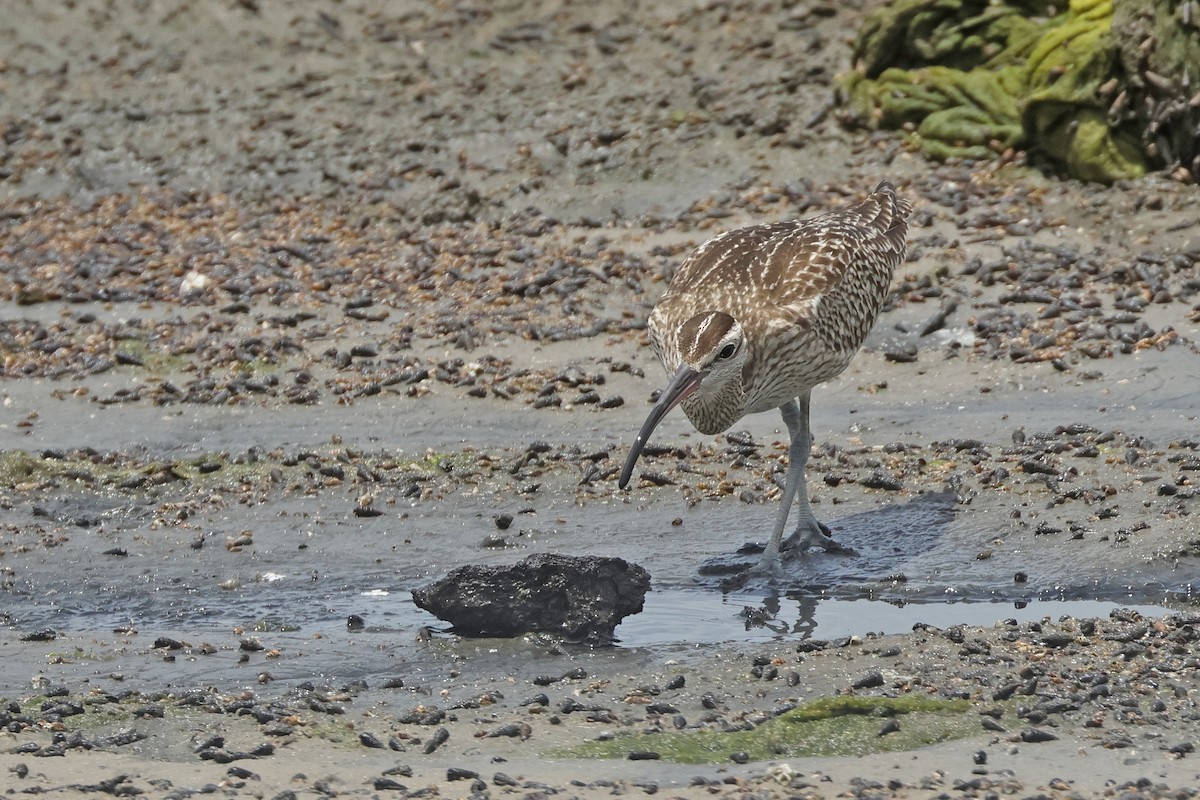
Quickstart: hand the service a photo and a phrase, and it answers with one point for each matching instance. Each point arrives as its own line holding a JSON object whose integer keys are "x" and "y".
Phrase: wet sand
{"x": 298, "y": 298}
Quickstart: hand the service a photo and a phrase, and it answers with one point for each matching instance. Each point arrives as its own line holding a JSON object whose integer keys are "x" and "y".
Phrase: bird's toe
{"x": 814, "y": 534}
{"x": 769, "y": 566}
{"x": 836, "y": 548}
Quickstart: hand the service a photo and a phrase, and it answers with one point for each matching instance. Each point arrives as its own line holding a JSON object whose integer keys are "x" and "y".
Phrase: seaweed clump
{"x": 1102, "y": 89}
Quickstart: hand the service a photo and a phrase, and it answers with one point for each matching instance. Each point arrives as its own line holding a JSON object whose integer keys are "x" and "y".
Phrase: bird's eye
{"x": 727, "y": 351}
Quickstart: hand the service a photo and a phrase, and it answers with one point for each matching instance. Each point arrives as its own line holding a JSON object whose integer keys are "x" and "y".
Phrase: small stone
{"x": 388, "y": 783}
{"x": 368, "y": 739}
{"x": 871, "y": 680}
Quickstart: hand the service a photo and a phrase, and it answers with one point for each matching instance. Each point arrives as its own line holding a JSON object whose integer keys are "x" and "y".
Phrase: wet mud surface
{"x": 306, "y": 304}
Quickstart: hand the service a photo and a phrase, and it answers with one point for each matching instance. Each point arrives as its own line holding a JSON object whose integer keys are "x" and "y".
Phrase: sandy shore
{"x": 299, "y": 297}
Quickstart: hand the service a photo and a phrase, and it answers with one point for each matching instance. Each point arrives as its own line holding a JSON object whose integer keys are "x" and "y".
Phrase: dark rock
{"x": 881, "y": 480}
{"x": 421, "y": 715}
{"x": 368, "y": 739}
{"x": 1006, "y": 691}
{"x": 509, "y": 729}
{"x": 581, "y": 598}
{"x": 387, "y": 783}
{"x": 901, "y": 353}
{"x": 1057, "y": 640}
{"x": 439, "y": 738}
{"x": 871, "y": 680}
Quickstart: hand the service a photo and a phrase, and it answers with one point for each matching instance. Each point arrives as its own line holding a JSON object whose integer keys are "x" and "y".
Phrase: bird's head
{"x": 712, "y": 351}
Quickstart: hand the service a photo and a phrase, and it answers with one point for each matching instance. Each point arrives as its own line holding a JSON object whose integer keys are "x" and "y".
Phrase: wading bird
{"x": 756, "y": 317}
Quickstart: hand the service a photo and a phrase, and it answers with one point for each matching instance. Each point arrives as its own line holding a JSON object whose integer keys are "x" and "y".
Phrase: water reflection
{"x": 702, "y": 617}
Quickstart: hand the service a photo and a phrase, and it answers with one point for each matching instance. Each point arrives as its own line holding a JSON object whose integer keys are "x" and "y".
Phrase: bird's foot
{"x": 769, "y": 566}
{"x": 836, "y": 548}
{"x": 811, "y": 533}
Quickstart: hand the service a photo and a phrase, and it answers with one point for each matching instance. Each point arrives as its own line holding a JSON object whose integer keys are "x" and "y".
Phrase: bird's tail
{"x": 892, "y": 212}
{"x": 903, "y": 207}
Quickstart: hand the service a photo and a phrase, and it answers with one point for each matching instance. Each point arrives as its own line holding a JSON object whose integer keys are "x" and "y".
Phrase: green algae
{"x": 975, "y": 78}
{"x": 78, "y": 654}
{"x": 18, "y": 466}
{"x": 830, "y": 726}
{"x": 149, "y": 357}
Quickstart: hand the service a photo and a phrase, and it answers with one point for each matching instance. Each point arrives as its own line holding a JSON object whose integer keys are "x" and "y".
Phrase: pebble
{"x": 439, "y": 737}
{"x": 367, "y": 739}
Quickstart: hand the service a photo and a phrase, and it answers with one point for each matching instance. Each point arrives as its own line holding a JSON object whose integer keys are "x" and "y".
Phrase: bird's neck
{"x": 715, "y": 412}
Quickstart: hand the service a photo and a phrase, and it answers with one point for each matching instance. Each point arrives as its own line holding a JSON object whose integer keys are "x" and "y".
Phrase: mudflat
{"x": 305, "y": 304}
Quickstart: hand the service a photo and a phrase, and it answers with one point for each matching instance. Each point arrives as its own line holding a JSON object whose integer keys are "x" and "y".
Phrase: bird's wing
{"x": 817, "y": 256}
{"x": 792, "y": 264}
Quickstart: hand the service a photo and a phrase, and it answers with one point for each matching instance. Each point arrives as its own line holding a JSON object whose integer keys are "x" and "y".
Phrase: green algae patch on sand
{"x": 17, "y": 466}
{"x": 830, "y": 726}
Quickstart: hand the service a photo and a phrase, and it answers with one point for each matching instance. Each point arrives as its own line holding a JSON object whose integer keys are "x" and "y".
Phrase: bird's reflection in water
{"x": 766, "y": 615}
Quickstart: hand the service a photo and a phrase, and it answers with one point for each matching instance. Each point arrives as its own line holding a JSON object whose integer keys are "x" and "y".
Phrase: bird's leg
{"x": 795, "y": 417}
{"x": 808, "y": 531}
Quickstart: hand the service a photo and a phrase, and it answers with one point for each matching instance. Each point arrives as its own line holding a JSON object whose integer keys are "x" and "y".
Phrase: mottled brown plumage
{"x": 756, "y": 317}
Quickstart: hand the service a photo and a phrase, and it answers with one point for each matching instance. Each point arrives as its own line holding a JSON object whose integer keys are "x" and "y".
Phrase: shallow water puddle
{"x": 678, "y": 615}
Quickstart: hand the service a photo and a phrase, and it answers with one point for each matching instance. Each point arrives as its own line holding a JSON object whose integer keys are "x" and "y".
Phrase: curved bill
{"x": 685, "y": 381}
